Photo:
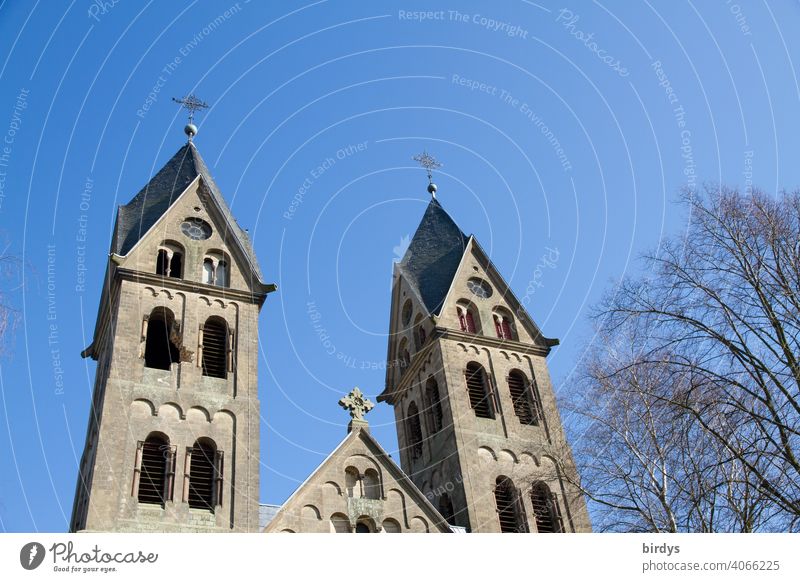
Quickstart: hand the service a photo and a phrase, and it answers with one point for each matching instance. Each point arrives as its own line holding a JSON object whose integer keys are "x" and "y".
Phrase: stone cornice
{"x": 195, "y": 287}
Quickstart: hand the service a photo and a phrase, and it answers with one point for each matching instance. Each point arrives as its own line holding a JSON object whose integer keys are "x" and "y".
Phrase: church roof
{"x": 432, "y": 258}
{"x": 137, "y": 217}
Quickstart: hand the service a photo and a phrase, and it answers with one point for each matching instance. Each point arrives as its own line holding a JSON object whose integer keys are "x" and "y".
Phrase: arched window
{"x": 222, "y": 274}
{"x": 204, "y": 463}
{"x": 216, "y": 269}
{"x": 504, "y": 325}
{"x": 362, "y": 527}
{"x": 407, "y": 311}
{"x": 420, "y": 335}
{"x": 509, "y": 510}
{"x": 340, "y": 523}
{"x": 477, "y": 387}
{"x": 372, "y": 484}
{"x": 390, "y": 525}
{"x": 433, "y": 405}
{"x": 169, "y": 262}
{"x": 414, "y": 431}
{"x": 525, "y": 400}
{"x": 216, "y": 348}
{"x": 352, "y": 482}
{"x": 208, "y": 271}
{"x": 446, "y": 508}
{"x": 467, "y": 318}
{"x": 403, "y": 357}
{"x": 154, "y": 470}
{"x": 545, "y": 508}
{"x": 161, "y": 339}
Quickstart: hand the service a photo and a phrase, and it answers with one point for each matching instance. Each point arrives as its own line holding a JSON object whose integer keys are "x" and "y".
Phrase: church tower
{"x": 173, "y": 436}
{"x": 477, "y": 422}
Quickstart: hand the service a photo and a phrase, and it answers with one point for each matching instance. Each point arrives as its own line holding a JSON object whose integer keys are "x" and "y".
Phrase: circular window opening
{"x": 196, "y": 228}
{"x": 479, "y": 287}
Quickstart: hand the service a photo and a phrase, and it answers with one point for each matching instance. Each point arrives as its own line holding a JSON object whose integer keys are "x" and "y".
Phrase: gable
{"x": 476, "y": 269}
{"x": 358, "y": 483}
{"x": 194, "y": 203}
{"x": 159, "y": 196}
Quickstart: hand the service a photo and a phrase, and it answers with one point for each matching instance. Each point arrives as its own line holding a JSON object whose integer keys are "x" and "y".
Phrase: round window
{"x": 479, "y": 287}
{"x": 196, "y": 228}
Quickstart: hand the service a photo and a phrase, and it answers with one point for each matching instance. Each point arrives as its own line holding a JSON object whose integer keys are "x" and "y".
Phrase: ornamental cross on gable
{"x": 356, "y": 404}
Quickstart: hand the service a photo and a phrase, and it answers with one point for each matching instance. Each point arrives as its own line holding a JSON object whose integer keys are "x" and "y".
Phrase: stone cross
{"x": 356, "y": 404}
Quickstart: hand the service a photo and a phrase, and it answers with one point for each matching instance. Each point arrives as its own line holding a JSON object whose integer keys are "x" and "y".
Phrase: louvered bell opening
{"x": 415, "y": 428}
{"x": 506, "y": 508}
{"x": 521, "y": 399}
{"x": 153, "y": 468}
{"x": 543, "y": 510}
{"x": 478, "y": 395}
{"x": 215, "y": 349}
{"x": 201, "y": 478}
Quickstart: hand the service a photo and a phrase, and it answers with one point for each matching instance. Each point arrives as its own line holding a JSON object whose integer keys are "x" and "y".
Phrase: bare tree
{"x": 692, "y": 415}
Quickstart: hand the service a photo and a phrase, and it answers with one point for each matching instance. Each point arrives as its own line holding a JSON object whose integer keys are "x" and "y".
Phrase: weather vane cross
{"x": 356, "y": 404}
{"x": 428, "y": 162}
{"x": 192, "y": 104}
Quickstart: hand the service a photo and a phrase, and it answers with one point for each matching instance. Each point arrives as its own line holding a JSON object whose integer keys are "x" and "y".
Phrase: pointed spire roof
{"x": 432, "y": 258}
{"x": 138, "y": 216}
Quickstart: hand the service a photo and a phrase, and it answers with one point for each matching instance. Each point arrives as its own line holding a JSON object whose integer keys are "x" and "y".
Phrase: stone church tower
{"x": 173, "y": 436}
{"x": 477, "y": 422}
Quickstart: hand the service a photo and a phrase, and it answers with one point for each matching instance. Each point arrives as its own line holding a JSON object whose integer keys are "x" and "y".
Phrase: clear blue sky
{"x": 552, "y": 140}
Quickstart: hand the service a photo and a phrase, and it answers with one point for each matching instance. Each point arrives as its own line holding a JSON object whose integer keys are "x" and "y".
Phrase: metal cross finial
{"x": 428, "y": 162}
{"x": 356, "y": 404}
{"x": 192, "y": 104}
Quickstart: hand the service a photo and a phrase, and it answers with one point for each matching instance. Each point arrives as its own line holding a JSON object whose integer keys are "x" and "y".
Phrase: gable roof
{"x": 432, "y": 258}
{"x": 138, "y": 216}
{"x": 363, "y": 434}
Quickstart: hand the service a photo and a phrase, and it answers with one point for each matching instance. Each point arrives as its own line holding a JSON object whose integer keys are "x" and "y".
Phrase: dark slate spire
{"x": 432, "y": 258}
{"x": 137, "y": 217}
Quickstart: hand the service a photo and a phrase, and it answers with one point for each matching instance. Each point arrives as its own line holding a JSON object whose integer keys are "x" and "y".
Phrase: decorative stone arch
{"x": 505, "y": 326}
{"x": 339, "y": 523}
{"x": 216, "y": 269}
{"x": 390, "y": 525}
{"x": 171, "y": 410}
{"x": 469, "y": 319}
{"x": 142, "y": 407}
{"x": 198, "y": 414}
{"x": 170, "y": 259}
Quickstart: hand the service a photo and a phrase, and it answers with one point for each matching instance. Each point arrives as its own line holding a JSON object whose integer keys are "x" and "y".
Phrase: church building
{"x": 173, "y": 438}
